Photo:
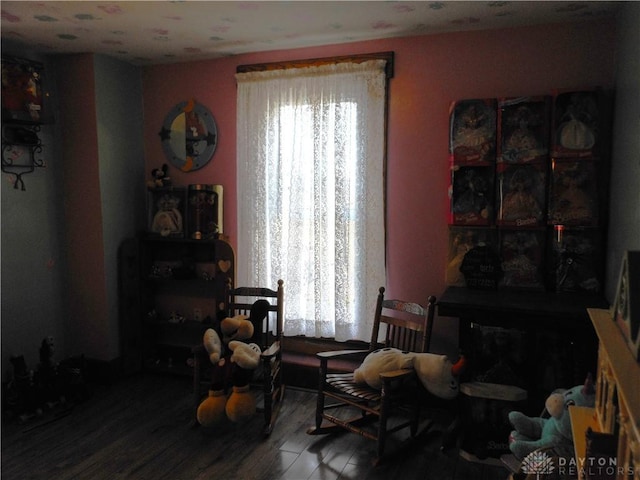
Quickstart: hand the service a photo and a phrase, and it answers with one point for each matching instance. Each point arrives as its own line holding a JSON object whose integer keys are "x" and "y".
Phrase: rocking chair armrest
{"x": 397, "y": 374}
{"x": 270, "y": 352}
{"x": 340, "y": 353}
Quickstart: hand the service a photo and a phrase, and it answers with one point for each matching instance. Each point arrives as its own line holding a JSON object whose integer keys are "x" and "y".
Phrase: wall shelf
{"x": 21, "y": 149}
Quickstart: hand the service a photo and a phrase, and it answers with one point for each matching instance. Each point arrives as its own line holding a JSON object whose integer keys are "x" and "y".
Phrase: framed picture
{"x": 626, "y": 308}
{"x": 22, "y": 98}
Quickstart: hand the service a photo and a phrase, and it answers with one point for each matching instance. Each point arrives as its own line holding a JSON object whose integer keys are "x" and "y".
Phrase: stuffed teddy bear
{"x": 532, "y": 433}
{"x": 436, "y": 372}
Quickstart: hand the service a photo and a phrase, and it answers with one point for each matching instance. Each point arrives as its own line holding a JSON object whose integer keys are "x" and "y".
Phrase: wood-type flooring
{"x": 141, "y": 428}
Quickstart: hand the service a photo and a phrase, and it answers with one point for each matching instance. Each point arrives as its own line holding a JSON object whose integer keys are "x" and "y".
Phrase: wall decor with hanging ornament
{"x": 22, "y": 117}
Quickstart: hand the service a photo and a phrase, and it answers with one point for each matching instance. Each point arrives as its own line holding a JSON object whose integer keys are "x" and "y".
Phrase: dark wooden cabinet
{"x": 171, "y": 292}
{"x": 546, "y": 338}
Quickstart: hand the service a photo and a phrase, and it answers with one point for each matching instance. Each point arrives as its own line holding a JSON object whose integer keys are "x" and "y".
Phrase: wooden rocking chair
{"x": 408, "y": 327}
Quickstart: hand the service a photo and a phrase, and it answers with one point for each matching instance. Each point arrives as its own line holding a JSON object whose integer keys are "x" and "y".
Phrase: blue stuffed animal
{"x": 532, "y": 433}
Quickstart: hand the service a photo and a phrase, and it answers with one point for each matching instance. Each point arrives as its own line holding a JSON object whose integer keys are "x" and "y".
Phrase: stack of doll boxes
{"x": 472, "y": 258}
{"x": 521, "y": 190}
{"x": 578, "y": 180}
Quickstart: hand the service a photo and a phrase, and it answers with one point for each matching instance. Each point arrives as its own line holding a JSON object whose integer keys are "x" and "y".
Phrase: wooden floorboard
{"x": 141, "y": 428}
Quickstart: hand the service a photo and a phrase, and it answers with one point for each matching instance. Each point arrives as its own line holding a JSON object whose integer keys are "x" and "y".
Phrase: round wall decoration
{"x": 189, "y": 136}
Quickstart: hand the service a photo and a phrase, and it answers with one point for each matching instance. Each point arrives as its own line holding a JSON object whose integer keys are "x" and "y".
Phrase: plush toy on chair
{"x": 232, "y": 366}
{"x": 436, "y": 372}
{"x": 532, "y": 433}
{"x": 242, "y": 402}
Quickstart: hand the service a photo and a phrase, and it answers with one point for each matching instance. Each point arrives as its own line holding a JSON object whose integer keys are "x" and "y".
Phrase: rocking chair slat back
{"x": 405, "y": 333}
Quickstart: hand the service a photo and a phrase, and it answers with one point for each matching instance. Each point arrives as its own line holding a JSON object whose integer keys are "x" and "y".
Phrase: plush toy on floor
{"x": 532, "y": 433}
{"x": 436, "y": 372}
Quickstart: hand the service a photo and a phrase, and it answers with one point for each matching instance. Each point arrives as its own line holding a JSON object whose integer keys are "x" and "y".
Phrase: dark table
{"x": 559, "y": 336}
{"x": 517, "y": 308}
{"x": 545, "y": 341}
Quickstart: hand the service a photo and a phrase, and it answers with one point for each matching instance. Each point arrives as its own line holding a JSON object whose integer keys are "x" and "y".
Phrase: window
{"x": 310, "y": 176}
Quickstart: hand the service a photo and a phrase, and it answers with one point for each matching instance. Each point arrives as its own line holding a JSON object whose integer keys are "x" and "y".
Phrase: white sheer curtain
{"x": 310, "y": 146}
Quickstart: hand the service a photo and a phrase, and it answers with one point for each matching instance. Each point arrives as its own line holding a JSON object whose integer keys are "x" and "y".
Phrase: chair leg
{"x": 268, "y": 394}
{"x": 415, "y": 416}
{"x": 322, "y": 375}
{"x": 382, "y": 425}
{"x": 196, "y": 387}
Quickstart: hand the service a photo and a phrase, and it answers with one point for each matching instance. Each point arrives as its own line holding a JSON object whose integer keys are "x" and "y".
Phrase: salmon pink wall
{"x": 430, "y": 72}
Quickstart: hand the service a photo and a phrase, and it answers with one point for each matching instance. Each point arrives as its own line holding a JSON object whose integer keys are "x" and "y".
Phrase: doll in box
{"x": 577, "y": 129}
{"x": 461, "y": 243}
{"x": 524, "y": 133}
{"x": 521, "y": 256}
{"x": 572, "y": 200}
{"x": 471, "y": 195}
{"x": 168, "y": 219}
{"x": 473, "y": 131}
{"x": 520, "y": 202}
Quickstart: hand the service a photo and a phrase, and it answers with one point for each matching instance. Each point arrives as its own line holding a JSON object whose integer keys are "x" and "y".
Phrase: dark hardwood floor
{"x": 140, "y": 428}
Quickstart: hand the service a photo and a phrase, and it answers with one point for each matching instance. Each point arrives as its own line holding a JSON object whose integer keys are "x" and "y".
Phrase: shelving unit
{"x": 617, "y": 409}
{"x": 173, "y": 289}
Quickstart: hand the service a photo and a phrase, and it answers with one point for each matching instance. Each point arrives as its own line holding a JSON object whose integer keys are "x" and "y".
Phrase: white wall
{"x": 33, "y": 260}
{"x": 624, "y": 215}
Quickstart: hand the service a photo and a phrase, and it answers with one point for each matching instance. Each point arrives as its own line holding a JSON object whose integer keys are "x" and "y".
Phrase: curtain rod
{"x": 315, "y": 62}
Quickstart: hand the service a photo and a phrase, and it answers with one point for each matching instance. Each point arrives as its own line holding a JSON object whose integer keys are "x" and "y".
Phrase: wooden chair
{"x": 408, "y": 327}
{"x": 267, "y": 335}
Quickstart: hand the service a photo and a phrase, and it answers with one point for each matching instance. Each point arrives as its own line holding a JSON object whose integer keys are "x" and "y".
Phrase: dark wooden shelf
{"x": 511, "y": 307}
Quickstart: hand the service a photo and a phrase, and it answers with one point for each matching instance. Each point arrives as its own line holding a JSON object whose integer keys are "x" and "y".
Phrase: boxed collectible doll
{"x": 521, "y": 194}
{"x": 573, "y": 193}
{"x": 473, "y": 261}
{"x": 166, "y": 207}
{"x": 576, "y": 125}
{"x": 522, "y": 254}
{"x": 523, "y": 130}
{"x": 472, "y": 132}
{"x": 575, "y": 262}
{"x": 472, "y": 190}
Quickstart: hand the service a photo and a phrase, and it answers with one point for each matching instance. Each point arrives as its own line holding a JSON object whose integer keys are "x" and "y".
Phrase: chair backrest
{"x": 241, "y": 300}
{"x": 408, "y": 326}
